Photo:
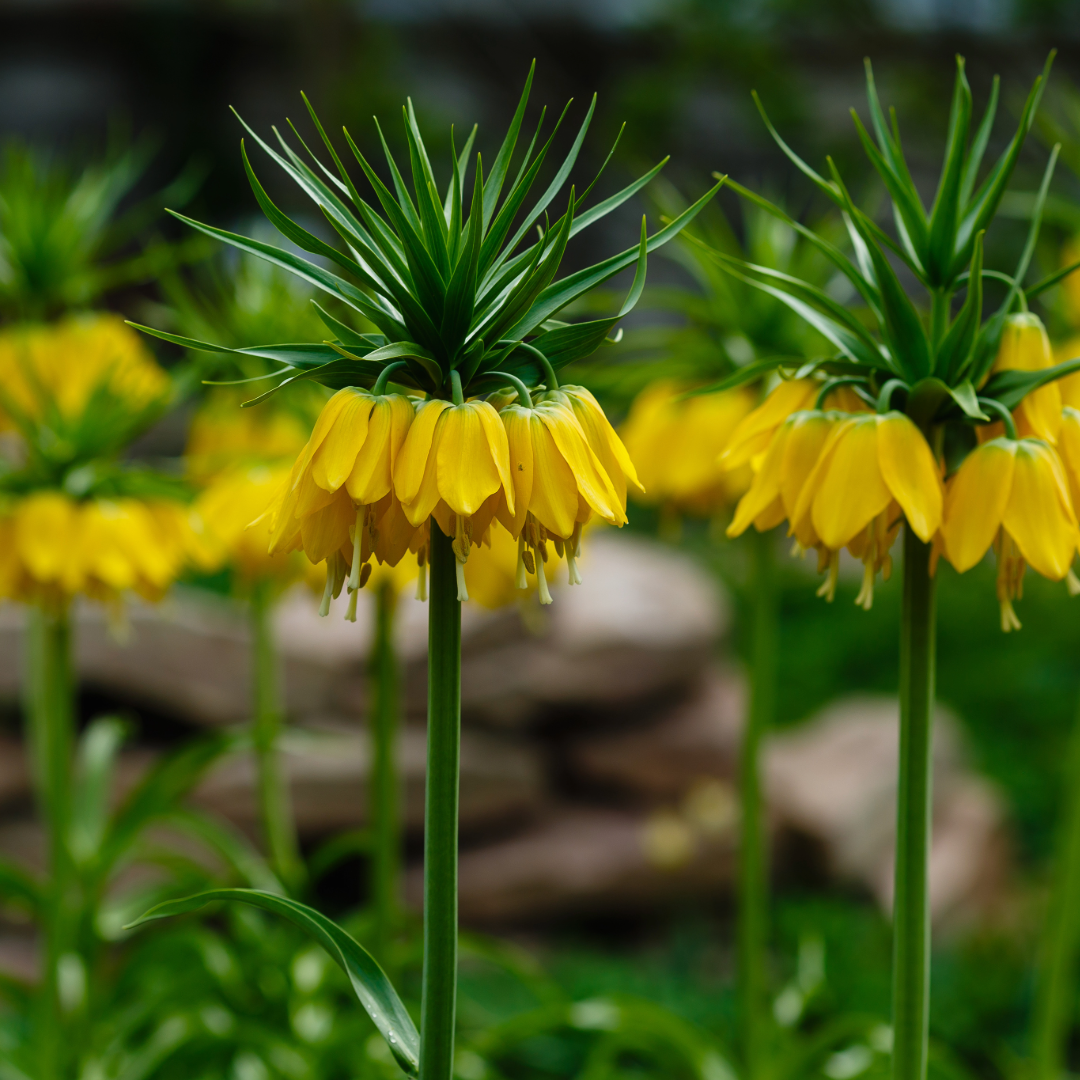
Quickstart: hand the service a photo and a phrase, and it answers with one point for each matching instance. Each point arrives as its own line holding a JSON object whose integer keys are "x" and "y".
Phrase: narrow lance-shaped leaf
{"x": 902, "y": 328}
{"x": 979, "y": 144}
{"x": 990, "y": 335}
{"x": 889, "y": 144}
{"x": 369, "y": 982}
{"x": 461, "y": 293}
{"x": 1011, "y": 387}
{"x": 823, "y": 185}
{"x": 985, "y": 202}
{"x": 957, "y": 348}
{"x": 940, "y": 265}
{"x": 427, "y": 197}
{"x": 502, "y": 160}
{"x": 555, "y": 297}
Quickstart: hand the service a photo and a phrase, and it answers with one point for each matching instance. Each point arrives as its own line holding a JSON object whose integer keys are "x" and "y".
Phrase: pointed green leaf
{"x": 461, "y": 293}
{"x": 940, "y": 265}
{"x": 555, "y": 297}
{"x": 370, "y": 984}
{"x": 902, "y": 328}
{"x": 316, "y": 275}
{"x": 345, "y": 334}
{"x": 427, "y": 198}
{"x": 1011, "y": 387}
{"x": 957, "y": 348}
{"x": 502, "y": 160}
{"x": 985, "y": 202}
{"x": 405, "y": 203}
{"x": 979, "y": 144}
{"x": 964, "y": 395}
{"x": 823, "y": 185}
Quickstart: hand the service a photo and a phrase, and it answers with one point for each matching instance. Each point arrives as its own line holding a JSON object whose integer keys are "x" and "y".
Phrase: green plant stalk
{"x": 1055, "y": 988}
{"x": 50, "y": 711}
{"x": 753, "y": 853}
{"x": 439, "y": 991}
{"x": 385, "y": 796}
{"x": 275, "y": 804}
{"x": 911, "y": 909}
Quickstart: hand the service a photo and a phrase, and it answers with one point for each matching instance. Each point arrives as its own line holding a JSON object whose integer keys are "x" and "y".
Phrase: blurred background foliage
{"x": 679, "y": 73}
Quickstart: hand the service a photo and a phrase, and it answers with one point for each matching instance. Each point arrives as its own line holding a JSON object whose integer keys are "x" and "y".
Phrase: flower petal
{"x": 975, "y": 501}
{"x": 852, "y": 490}
{"x": 467, "y": 472}
{"x": 911, "y": 473}
{"x": 411, "y": 465}
{"x": 1038, "y": 515}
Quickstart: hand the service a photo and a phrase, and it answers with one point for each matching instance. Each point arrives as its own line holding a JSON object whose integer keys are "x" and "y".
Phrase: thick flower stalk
{"x": 456, "y": 301}
{"x": 933, "y": 384}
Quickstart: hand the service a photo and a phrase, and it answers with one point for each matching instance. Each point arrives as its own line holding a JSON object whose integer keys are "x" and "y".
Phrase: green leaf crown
{"x": 450, "y": 283}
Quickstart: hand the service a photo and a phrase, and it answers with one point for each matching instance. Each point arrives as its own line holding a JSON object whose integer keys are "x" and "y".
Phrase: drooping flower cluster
{"x": 72, "y": 520}
{"x": 53, "y": 547}
{"x": 849, "y": 480}
{"x": 676, "y": 441}
{"x": 379, "y": 468}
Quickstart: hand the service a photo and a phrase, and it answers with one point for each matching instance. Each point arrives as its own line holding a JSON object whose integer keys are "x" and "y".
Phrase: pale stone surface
{"x": 661, "y": 759}
{"x": 587, "y": 860}
{"x": 327, "y": 768}
{"x": 834, "y": 780}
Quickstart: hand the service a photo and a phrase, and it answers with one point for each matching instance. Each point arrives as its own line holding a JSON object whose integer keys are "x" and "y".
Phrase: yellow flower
{"x": 1012, "y": 494}
{"x": 455, "y": 466}
{"x": 55, "y": 547}
{"x": 342, "y": 482}
{"x": 1025, "y": 347}
{"x": 677, "y": 442}
{"x": 63, "y": 368}
{"x": 614, "y": 457}
{"x": 753, "y": 434}
{"x": 236, "y": 530}
{"x": 223, "y": 435}
{"x": 870, "y": 470}
{"x": 559, "y": 483}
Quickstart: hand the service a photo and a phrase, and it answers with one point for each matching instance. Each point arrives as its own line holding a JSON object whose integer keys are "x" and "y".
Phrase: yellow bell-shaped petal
{"x": 910, "y": 473}
{"x": 1039, "y": 516}
{"x": 975, "y": 502}
{"x": 1026, "y": 347}
{"x": 752, "y": 435}
{"x": 1068, "y": 448}
{"x": 603, "y": 440}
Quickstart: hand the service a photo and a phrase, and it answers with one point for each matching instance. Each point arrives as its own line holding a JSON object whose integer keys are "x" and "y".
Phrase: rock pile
{"x": 599, "y": 753}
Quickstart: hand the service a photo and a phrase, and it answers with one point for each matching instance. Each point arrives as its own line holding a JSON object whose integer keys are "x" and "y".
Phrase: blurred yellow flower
{"x": 62, "y": 369}
{"x": 1012, "y": 494}
{"x": 223, "y": 435}
{"x": 677, "y": 441}
{"x": 754, "y": 433}
{"x": 53, "y": 547}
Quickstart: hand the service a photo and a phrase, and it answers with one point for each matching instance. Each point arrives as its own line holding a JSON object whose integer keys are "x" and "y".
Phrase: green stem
{"x": 1055, "y": 989}
{"x": 753, "y": 853}
{"x": 385, "y": 798}
{"x": 911, "y": 909}
{"x": 275, "y": 804}
{"x": 439, "y": 991}
{"x": 50, "y": 710}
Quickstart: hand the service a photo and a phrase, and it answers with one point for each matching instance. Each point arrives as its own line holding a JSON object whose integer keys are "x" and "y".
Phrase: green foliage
{"x": 447, "y": 280}
{"x": 933, "y": 361}
{"x": 65, "y": 234}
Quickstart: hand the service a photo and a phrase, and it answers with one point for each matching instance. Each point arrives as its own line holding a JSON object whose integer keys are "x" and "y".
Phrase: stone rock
{"x": 327, "y": 768}
{"x": 834, "y": 780}
{"x": 583, "y": 860}
{"x": 662, "y": 758}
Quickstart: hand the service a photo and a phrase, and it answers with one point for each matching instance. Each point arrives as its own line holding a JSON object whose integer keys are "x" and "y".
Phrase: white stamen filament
{"x": 350, "y": 614}
{"x": 571, "y": 565}
{"x": 541, "y": 582}
{"x": 828, "y": 586}
{"x": 521, "y": 581}
{"x": 354, "y": 573}
{"x": 1009, "y": 621}
{"x": 462, "y": 591}
{"x": 421, "y": 581}
{"x": 865, "y": 599}
{"x": 328, "y": 592}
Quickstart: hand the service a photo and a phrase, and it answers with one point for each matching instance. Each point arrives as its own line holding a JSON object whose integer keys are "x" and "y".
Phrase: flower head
{"x": 53, "y": 547}
{"x": 87, "y": 379}
{"x": 1012, "y": 494}
{"x": 677, "y": 442}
